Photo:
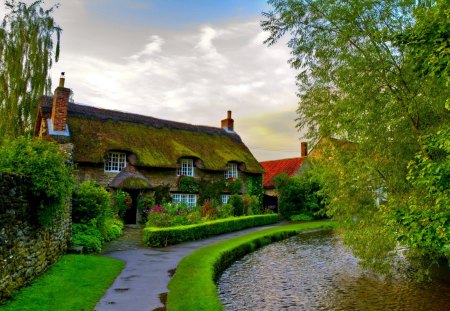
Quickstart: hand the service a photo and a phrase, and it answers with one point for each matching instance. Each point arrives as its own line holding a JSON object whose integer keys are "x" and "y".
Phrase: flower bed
{"x": 161, "y": 237}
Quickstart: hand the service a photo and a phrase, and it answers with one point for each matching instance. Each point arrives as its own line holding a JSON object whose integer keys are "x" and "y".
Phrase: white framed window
{"x": 232, "y": 170}
{"x": 189, "y": 199}
{"x": 115, "y": 161}
{"x": 224, "y": 198}
{"x": 186, "y": 167}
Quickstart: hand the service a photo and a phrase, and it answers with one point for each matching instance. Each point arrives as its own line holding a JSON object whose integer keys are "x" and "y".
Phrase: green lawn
{"x": 193, "y": 288}
{"x": 75, "y": 283}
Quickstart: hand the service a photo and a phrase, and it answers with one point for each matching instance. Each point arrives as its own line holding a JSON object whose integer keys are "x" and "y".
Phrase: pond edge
{"x": 193, "y": 286}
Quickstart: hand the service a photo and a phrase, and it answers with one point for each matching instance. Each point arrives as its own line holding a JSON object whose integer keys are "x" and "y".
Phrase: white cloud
{"x": 193, "y": 75}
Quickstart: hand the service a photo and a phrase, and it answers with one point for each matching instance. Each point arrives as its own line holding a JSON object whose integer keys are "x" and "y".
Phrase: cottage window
{"x": 186, "y": 168}
{"x": 225, "y": 198}
{"x": 189, "y": 199}
{"x": 232, "y": 171}
{"x": 115, "y": 161}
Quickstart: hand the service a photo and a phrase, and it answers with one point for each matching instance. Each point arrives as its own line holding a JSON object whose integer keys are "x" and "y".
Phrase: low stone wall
{"x": 26, "y": 248}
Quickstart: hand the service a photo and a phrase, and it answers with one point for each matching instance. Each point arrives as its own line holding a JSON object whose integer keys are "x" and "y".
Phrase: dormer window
{"x": 115, "y": 161}
{"x": 232, "y": 171}
{"x": 186, "y": 168}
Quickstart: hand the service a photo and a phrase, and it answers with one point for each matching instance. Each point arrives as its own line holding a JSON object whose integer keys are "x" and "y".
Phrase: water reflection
{"x": 315, "y": 272}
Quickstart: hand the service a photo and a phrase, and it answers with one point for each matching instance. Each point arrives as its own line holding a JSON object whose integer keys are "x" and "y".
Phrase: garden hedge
{"x": 193, "y": 285}
{"x": 161, "y": 237}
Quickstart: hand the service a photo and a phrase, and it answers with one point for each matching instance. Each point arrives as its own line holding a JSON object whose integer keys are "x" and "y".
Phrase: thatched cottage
{"x": 134, "y": 152}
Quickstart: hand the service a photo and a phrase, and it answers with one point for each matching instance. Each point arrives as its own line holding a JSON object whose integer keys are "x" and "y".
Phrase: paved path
{"x": 142, "y": 284}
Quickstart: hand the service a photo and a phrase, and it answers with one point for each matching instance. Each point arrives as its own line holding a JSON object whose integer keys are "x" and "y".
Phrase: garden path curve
{"x": 142, "y": 284}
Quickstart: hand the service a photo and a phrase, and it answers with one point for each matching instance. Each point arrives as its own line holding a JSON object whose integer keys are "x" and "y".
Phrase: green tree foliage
{"x": 26, "y": 52}
{"x": 298, "y": 195}
{"x": 375, "y": 73}
{"x": 47, "y": 167}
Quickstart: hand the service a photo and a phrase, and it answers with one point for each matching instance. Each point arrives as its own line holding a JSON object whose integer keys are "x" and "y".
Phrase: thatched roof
{"x": 155, "y": 142}
{"x": 130, "y": 178}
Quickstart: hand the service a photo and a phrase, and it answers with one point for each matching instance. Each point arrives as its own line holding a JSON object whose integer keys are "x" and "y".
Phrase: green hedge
{"x": 193, "y": 285}
{"x": 161, "y": 237}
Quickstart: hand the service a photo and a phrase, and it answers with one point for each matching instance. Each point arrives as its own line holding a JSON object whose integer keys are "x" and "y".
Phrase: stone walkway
{"x": 142, "y": 284}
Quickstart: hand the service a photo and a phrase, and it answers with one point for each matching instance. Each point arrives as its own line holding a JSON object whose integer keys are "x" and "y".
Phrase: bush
{"x": 188, "y": 184}
{"x": 122, "y": 202}
{"x": 146, "y": 201}
{"x": 161, "y": 237}
{"x": 112, "y": 229}
{"x": 88, "y": 236}
{"x": 233, "y": 185}
{"x": 298, "y": 195}
{"x": 210, "y": 190}
{"x": 94, "y": 222}
{"x": 48, "y": 170}
{"x": 225, "y": 210}
{"x": 252, "y": 205}
{"x": 172, "y": 214}
{"x": 238, "y": 206}
{"x": 208, "y": 210}
{"x": 162, "y": 194}
{"x": 90, "y": 201}
{"x": 302, "y": 217}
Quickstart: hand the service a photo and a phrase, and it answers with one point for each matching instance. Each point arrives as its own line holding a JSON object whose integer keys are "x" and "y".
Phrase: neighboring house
{"x": 273, "y": 168}
{"x": 136, "y": 153}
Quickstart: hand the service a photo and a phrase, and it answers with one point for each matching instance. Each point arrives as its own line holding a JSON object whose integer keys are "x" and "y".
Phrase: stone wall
{"x": 157, "y": 176}
{"x": 26, "y": 248}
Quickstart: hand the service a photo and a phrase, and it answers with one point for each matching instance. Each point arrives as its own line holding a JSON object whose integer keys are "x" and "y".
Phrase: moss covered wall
{"x": 26, "y": 248}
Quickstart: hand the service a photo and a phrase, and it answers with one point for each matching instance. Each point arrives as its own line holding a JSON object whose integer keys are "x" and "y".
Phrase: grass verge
{"x": 76, "y": 282}
{"x": 161, "y": 237}
{"x": 193, "y": 285}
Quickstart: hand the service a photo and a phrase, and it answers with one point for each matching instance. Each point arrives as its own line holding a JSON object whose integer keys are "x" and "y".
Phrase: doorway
{"x": 130, "y": 217}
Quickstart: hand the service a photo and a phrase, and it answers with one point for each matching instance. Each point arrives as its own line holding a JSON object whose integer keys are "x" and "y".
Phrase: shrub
{"x": 161, "y": 237}
{"x": 90, "y": 201}
{"x": 252, "y": 205}
{"x": 48, "y": 170}
{"x": 146, "y": 201}
{"x": 122, "y": 202}
{"x": 158, "y": 217}
{"x": 208, "y": 210}
{"x": 210, "y": 190}
{"x": 112, "y": 229}
{"x": 298, "y": 195}
{"x": 302, "y": 217}
{"x": 225, "y": 210}
{"x": 188, "y": 184}
{"x": 88, "y": 236}
{"x": 236, "y": 201}
{"x": 233, "y": 185}
{"x": 162, "y": 194}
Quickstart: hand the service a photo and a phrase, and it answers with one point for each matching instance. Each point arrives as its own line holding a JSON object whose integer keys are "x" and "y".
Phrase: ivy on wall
{"x": 48, "y": 170}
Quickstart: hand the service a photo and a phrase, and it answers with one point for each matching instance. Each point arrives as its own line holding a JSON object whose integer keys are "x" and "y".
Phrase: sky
{"x": 188, "y": 61}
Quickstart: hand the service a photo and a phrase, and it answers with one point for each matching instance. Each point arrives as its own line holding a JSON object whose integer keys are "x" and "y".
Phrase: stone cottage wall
{"x": 26, "y": 248}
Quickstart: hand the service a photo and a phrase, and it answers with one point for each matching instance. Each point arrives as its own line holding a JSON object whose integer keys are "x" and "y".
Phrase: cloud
{"x": 193, "y": 75}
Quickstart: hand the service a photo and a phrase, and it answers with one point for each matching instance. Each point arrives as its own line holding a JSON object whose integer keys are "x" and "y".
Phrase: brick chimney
{"x": 228, "y": 123}
{"x": 59, "y": 107}
{"x": 303, "y": 149}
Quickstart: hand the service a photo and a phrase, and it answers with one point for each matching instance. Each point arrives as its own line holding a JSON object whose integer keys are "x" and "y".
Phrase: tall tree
{"x": 27, "y": 36}
{"x": 358, "y": 82}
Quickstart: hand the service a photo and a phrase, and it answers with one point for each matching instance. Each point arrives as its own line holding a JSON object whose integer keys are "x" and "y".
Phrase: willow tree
{"x": 27, "y": 36}
{"x": 359, "y": 82}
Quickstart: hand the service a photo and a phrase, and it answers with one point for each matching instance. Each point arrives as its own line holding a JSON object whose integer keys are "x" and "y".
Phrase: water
{"x": 315, "y": 272}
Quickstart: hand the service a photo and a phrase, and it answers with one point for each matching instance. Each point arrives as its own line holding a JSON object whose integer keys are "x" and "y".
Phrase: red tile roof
{"x": 276, "y": 167}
